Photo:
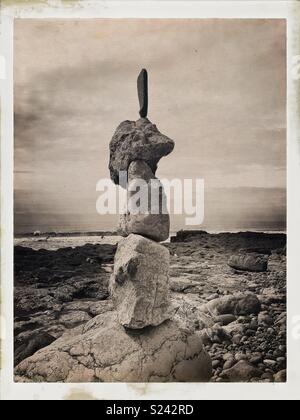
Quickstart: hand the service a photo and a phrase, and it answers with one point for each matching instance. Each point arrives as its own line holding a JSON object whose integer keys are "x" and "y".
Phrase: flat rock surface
{"x": 103, "y": 351}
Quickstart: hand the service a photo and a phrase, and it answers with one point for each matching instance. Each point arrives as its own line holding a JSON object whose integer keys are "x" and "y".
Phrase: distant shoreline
{"x": 38, "y": 234}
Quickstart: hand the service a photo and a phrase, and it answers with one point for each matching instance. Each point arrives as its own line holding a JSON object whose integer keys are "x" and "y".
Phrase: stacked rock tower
{"x": 140, "y": 282}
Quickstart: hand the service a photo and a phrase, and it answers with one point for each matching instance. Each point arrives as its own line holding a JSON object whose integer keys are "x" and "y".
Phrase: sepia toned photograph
{"x": 150, "y": 201}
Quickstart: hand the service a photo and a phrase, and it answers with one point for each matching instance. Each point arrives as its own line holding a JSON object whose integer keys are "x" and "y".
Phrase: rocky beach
{"x": 228, "y": 288}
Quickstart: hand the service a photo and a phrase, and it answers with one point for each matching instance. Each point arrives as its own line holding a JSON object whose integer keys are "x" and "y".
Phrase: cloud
{"x": 216, "y": 86}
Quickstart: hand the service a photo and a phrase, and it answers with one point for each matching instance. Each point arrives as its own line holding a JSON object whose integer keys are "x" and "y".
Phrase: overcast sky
{"x": 217, "y": 87}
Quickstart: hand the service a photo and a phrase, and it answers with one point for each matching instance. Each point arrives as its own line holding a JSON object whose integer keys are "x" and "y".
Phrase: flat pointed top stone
{"x": 137, "y": 140}
{"x": 142, "y": 87}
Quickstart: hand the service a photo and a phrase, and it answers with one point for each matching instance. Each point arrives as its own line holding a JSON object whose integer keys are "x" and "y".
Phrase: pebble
{"x": 237, "y": 338}
{"x": 264, "y": 319}
{"x": 228, "y": 356}
{"x": 278, "y": 353}
{"x": 253, "y": 324}
{"x": 280, "y": 376}
{"x": 282, "y": 348}
{"x": 250, "y": 333}
{"x": 240, "y": 356}
{"x": 241, "y": 319}
{"x": 269, "y": 363}
{"x": 229, "y": 364}
{"x": 215, "y": 364}
{"x": 268, "y": 375}
{"x": 256, "y": 358}
{"x": 225, "y": 319}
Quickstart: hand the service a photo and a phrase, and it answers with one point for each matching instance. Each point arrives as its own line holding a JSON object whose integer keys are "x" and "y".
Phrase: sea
{"x": 69, "y": 239}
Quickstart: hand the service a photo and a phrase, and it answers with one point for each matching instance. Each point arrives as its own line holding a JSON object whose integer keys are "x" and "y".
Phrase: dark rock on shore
{"x": 187, "y": 235}
{"x": 46, "y": 266}
{"x": 251, "y": 262}
{"x": 32, "y": 345}
{"x": 243, "y": 371}
{"x": 238, "y": 304}
{"x": 46, "y": 282}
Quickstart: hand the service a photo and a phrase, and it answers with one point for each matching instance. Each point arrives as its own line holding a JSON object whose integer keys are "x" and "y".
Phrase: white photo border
{"x": 289, "y": 10}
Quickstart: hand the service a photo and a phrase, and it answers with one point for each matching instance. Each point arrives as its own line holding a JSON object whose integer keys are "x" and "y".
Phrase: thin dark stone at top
{"x": 142, "y": 86}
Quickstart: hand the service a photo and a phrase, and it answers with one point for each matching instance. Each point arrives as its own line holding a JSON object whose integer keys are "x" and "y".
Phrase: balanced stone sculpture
{"x": 136, "y": 339}
{"x": 140, "y": 283}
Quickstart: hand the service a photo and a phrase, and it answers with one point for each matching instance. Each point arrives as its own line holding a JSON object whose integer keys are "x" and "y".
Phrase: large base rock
{"x": 140, "y": 283}
{"x": 103, "y": 351}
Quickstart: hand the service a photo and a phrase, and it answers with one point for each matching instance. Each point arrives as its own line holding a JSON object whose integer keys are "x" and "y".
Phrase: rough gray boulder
{"x": 140, "y": 283}
{"x": 138, "y": 140}
{"x": 249, "y": 262}
{"x": 237, "y": 304}
{"x": 150, "y": 217}
{"x": 243, "y": 371}
{"x": 103, "y": 351}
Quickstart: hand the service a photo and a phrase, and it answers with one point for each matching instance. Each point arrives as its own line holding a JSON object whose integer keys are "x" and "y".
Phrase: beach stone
{"x": 104, "y": 351}
{"x": 216, "y": 335}
{"x": 142, "y": 86}
{"x": 229, "y": 364}
{"x": 240, "y": 356}
{"x": 183, "y": 285}
{"x": 265, "y": 319}
{"x": 243, "y": 371}
{"x": 225, "y": 319}
{"x": 237, "y": 304}
{"x": 138, "y": 140}
{"x": 152, "y": 220}
{"x": 228, "y": 356}
{"x": 280, "y": 376}
{"x": 249, "y": 262}
{"x": 216, "y": 363}
{"x": 268, "y": 375}
{"x": 256, "y": 358}
{"x": 236, "y": 339}
{"x": 269, "y": 363}
{"x": 140, "y": 283}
